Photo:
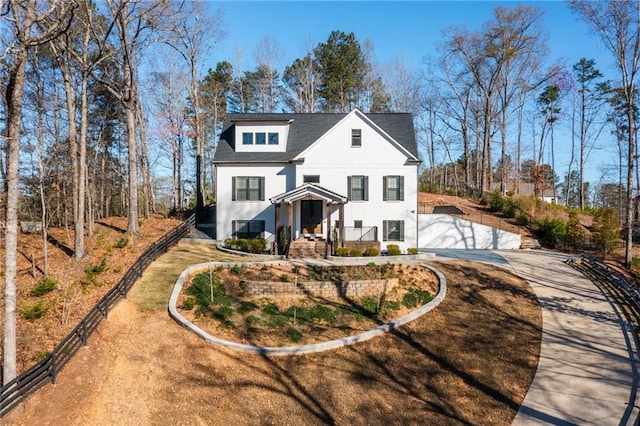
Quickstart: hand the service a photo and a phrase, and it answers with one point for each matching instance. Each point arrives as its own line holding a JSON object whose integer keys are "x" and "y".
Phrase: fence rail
{"x": 46, "y": 370}
{"x": 603, "y": 273}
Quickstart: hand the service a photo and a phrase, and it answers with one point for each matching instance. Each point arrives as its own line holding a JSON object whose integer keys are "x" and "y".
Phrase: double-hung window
{"x": 393, "y": 230}
{"x": 273, "y": 139}
{"x": 247, "y": 228}
{"x": 247, "y": 188}
{"x": 358, "y": 188}
{"x": 261, "y": 138}
{"x": 247, "y": 138}
{"x": 393, "y": 188}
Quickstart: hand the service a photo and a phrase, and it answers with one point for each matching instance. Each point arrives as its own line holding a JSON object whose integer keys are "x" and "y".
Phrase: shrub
{"x": 236, "y": 269}
{"x": 371, "y": 252}
{"x": 243, "y": 244}
{"x": 522, "y": 219}
{"x": 551, "y": 231}
{"x": 122, "y": 242}
{"x": 412, "y": 250}
{"x": 322, "y": 312}
{"x": 43, "y": 286}
{"x": 205, "y": 288}
{"x": 342, "y": 251}
{"x": 223, "y": 313}
{"x": 270, "y": 309}
{"x": 415, "y": 297}
{"x": 606, "y": 229}
{"x": 252, "y": 320}
{"x": 394, "y": 250}
{"x": 575, "y": 234}
{"x": 508, "y": 208}
{"x": 277, "y": 321}
{"x": 258, "y": 245}
{"x": 246, "y": 306}
{"x": 189, "y": 303}
{"x": 355, "y": 252}
{"x": 369, "y": 305}
{"x": 496, "y": 202}
{"x": 34, "y": 311}
{"x": 294, "y": 334}
{"x": 92, "y": 272}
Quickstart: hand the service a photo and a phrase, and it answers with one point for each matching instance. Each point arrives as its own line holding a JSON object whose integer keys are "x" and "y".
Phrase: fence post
{"x": 53, "y": 368}
{"x": 85, "y": 338}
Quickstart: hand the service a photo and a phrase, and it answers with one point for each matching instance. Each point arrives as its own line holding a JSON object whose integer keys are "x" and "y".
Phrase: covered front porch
{"x": 306, "y": 213}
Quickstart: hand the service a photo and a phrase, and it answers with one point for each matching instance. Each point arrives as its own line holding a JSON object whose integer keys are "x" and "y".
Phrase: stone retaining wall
{"x": 326, "y": 289}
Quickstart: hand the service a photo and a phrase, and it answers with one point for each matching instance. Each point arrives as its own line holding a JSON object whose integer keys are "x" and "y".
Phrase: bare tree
{"x": 617, "y": 23}
{"x": 192, "y": 32}
{"x": 33, "y": 25}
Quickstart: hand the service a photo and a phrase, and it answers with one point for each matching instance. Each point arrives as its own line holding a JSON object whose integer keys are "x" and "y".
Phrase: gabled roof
{"x": 304, "y": 130}
{"x": 309, "y": 190}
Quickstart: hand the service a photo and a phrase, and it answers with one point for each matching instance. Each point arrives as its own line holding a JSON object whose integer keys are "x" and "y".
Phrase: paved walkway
{"x": 588, "y": 368}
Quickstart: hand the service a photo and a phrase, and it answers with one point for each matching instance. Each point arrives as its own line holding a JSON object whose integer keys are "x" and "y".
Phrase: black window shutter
{"x": 234, "y": 227}
{"x": 401, "y": 188}
{"x": 366, "y": 188}
{"x": 262, "y": 188}
{"x": 384, "y": 230}
{"x": 349, "y": 187}
{"x": 401, "y": 230}
{"x": 233, "y": 188}
{"x": 384, "y": 188}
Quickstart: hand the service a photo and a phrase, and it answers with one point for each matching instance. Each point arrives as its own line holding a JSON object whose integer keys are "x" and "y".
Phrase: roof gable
{"x": 306, "y": 129}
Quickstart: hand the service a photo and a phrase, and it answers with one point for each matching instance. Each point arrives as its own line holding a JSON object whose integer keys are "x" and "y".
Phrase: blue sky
{"x": 408, "y": 29}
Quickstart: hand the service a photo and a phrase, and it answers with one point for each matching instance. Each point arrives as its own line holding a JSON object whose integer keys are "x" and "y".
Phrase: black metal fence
{"x": 45, "y": 371}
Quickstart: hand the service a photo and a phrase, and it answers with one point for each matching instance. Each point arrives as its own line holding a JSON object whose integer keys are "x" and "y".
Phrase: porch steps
{"x": 529, "y": 243}
{"x": 307, "y": 249}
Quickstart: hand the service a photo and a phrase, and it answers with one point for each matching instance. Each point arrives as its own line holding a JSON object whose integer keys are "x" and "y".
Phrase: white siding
{"x": 334, "y": 159}
{"x": 278, "y": 179}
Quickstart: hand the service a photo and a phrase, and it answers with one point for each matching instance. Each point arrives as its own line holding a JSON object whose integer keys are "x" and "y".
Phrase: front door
{"x": 311, "y": 216}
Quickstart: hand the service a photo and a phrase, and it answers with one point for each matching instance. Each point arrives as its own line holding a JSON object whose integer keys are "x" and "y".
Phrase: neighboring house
{"x": 312, "y": 173}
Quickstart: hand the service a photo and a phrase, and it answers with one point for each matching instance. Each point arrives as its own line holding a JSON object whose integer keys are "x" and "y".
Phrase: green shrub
{"x": 223, "y": 313}
{"x": 369, "y": 305}
{"x": 575, "y": 233}
{"x": 236, "y": 269}
{"x": 522, "y": 219}
{"x": 270, "y": 309}
{"x": 496, "y": 202}
{"x": 394, "y": 250}
{"x": 355, "y": 252}
{"x": 416, "y": 297}
{"x": 258, "y": 245}
{"x": 43, "y": 286}
{"x": 243, "y": 244}
{"x": 122, "y": 242}
{"x": 277, "y": 321}
{"x": 189, "y": 303}
{"x": 322, "y": 312}
{"x": 92, "y": 272}
{"x": 294, "y": 334}
{"x": 206, "y": 289}
{"x": 412, "y": 250}
{"x": 34, "y": 311}
{"x": 342, "y": 251}
{"x": 606, "y": 229}
{"x": 371, "y": 252}
{"x": 508, "y": 208}
{"x": 246, "y": 306}
{"x": 551, "y": 232}
{"x": 252, "y": 320}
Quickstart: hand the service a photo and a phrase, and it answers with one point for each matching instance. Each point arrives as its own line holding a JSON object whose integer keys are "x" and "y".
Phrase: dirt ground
{"x": 470, "y": 361}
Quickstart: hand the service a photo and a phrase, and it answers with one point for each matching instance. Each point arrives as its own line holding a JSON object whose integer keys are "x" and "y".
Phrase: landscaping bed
{"x": 217, "y": 300}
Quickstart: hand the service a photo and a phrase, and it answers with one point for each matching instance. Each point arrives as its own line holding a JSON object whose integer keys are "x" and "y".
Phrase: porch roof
{"x": 309, "y": 191}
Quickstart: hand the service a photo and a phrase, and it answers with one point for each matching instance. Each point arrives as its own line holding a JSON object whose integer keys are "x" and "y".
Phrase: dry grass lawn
{"x": 470, "y": 361}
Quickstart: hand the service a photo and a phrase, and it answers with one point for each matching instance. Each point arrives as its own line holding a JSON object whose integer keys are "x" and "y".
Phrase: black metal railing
{"x": 46, "y": 370}
{"x": 364, "y": 233}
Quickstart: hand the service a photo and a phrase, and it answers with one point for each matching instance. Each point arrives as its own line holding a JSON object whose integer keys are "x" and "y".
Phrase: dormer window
{"x": 247, "y": 139}
{"x": 261, "y": 138}
{"x": 356, "y": 137}
{"x": 273, "y": 139}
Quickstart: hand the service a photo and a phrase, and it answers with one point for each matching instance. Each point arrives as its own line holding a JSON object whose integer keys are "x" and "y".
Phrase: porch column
{"x": 290, "y": 218}
{"x": 327, "y": 214}
{"x": 276, "y": 228}
{"x": 341, "y": 219}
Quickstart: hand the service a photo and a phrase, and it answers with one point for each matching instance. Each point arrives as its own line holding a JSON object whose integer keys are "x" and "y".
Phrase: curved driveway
{"x": 588, "y": 367}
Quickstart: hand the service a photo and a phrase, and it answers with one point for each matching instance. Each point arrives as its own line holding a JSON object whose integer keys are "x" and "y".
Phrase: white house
{"x": 319, "y": 176}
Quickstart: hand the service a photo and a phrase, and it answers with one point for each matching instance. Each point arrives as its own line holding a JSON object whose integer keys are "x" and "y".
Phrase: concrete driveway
{"x": 588, "y": 367}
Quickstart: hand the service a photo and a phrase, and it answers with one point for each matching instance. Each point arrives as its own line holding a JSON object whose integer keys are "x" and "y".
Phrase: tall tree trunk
{"x": 14, "y": 98}
{"x": 145, "y": 169}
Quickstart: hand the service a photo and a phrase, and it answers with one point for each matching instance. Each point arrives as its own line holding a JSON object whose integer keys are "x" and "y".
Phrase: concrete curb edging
{"x": 304, "y": 349}
{"x": 221, "y": 247}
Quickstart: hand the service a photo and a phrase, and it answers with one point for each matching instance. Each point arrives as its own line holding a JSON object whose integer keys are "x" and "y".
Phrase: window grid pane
{"x": 393, "y": 188}
{"x": 261, "y": 138}
{"x": 273, "y": 139}
{"x": 357, "y": 188}
{"x": 247, "y": 138}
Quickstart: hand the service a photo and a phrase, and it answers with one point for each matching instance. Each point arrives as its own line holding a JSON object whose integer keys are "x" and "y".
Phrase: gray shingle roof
{"x": 306, "y": 129}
